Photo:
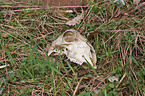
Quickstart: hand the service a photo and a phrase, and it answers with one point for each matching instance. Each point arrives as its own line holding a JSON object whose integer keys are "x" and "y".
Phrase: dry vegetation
{"x": 116, "y": 31}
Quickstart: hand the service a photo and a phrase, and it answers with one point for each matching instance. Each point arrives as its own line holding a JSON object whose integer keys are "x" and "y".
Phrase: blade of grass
{"x": 54, "y": 69}
{"x": 31, "y": 58}
{"x": 60, "y": 60}
{"x": 40, "y": 63}
{"x": 8, "y": 52}
{"x": 134, "y": 60}
{"x": 91, "y": 67}
{"x": 32, "y": 62}
{"x": 31, "y": 53}
{"x": 30, "y": 74}
{"x": 51, "y": 67}
{"x": 53, "y": 82}
{"x": 71, "y": 69}
{"x": 13, "y": 61}
{"x": 63, "y": 92}
{"x": 137, "y": 62}
{"x": 25, "y": 47}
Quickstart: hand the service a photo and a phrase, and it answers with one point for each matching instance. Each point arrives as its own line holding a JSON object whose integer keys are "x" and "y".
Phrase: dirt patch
{"x": 59, "y": 2}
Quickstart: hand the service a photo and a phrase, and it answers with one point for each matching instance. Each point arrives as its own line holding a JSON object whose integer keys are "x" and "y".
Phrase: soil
{"x": 59, "y": 2}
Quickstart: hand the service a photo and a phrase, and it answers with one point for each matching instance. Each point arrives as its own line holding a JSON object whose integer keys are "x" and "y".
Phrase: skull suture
{"x": 75, "y": 47}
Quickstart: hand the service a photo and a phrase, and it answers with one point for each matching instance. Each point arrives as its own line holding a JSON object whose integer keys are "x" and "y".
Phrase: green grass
{"x": 119, "y": 41}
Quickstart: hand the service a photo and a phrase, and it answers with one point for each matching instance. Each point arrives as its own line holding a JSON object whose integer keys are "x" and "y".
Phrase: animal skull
{"x": 75, "y": 47}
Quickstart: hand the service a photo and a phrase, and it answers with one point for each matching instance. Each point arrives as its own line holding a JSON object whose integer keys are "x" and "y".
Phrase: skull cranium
{"x": 75, "y": 47}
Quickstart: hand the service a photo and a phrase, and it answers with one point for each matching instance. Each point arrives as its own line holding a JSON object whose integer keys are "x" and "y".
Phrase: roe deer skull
{"x": 75, "y": 47}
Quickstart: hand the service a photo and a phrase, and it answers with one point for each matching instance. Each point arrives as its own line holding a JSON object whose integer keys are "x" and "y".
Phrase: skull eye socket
{"x": 66, "y": 49}
{"x": 69, "y": 36}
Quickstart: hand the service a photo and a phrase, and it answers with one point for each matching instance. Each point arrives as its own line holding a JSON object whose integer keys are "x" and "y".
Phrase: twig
{"x": 24, "y": 9}
{"x": 101, "y": 82}
{"x": 67, "y": 7}
{"x": 137, "y": 7}
{"x": 76, "y": 89}
{"x": 14, "y": 37}
{"x": 120, "y": 80}
{"x": 8, "y": 6}
{"x": 20, "y": 24}
{"x": 86, "y": 15}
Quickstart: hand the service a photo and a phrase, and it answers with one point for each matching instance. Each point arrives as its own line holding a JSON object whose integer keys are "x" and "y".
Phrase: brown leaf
{"x": 75, "y": 20}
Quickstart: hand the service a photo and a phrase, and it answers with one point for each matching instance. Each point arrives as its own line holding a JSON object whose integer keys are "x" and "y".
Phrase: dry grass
{"x": 116, "y": 32}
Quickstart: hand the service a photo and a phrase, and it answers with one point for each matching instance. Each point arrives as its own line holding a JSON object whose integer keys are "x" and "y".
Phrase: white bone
{"x": 75, "y": 47}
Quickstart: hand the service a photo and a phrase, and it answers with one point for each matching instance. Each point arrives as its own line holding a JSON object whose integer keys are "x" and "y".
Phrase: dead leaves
{"x": 75, "y": 20}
